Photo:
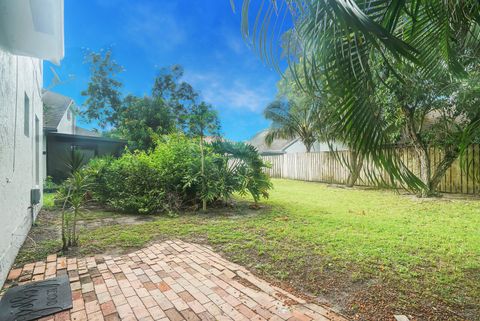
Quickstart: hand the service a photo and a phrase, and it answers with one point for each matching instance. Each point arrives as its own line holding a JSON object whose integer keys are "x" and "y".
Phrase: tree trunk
{"x": 421, "y": 151}
{"x": 356, "y": 164}
{"x": 431, "y": 177}
{"x": 450, "y": 156}
{"x": 425, "y": 170}
{"x": 74, "y": 228}
{"x": 204, "y": 201}
{"x": 65, "y": 227}
{"x": 64, "y": 231}
{"x": 308, "y": 147}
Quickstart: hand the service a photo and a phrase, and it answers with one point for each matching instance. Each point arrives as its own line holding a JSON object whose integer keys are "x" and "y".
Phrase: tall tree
{"x": 179, "y": 95}
{"x": 338, "y": 40}
{"x": 202, "y": 121}
{"x": 141, "y": 120}
{"x": 104, "y": 97}
{"x": 324, "y": 120}
{"x": 432, "y": 111}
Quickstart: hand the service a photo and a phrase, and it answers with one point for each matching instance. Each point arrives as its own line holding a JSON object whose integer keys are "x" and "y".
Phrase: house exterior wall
{"x": 60, "y": 151}
{"x": 296, "y": 147}
{"x": 20, "y": 151}
{"x": 299, "y": 147}
{"x": 323, "y": 147}
{"x": 67, "y": 126}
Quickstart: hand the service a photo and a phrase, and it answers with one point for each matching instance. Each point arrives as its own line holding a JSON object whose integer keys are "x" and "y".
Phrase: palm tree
{"x": 291, "y": 120}
{"x": 339, "y": 40}
{"x": 243, "y": 161}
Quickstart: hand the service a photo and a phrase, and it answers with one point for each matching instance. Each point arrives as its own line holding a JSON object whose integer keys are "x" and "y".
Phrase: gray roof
{"x": 86, "y": 132}
{"x": 56, "y": 106}
{"x": 278, "y": 146}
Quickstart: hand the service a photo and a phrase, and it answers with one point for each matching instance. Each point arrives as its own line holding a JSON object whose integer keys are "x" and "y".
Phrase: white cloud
{"x": 149, "y": 24}
{"x": 233, "y": 94}
{"x": 153, "y": 26}
{"x": 236, "y": 44}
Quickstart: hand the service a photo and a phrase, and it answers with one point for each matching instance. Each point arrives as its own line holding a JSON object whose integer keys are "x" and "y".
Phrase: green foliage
{"x": 336, "y": 43}
{"x": 178, "y": 95}
{"x": 169, "y": 178}
{"x": 72, "y": 195}
{"x": 104, "y": 98}
{"x": 201, "y": 121}
{"x": 172, "y": 107}
{"x": 49, "y": 185}
{"x": 242, "y": 170}
{"x": 291, "y": 120}
{"x": 75, "y": 161}
{"x": 440, "y": 110}
{"x": 48, "y": 201}
{"x": 143, "y": 120}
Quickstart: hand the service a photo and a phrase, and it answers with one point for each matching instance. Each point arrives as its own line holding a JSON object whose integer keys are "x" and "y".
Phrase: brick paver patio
{"x": 172, "y": 280}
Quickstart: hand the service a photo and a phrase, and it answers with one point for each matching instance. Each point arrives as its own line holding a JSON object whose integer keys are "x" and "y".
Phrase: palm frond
{"x": 331, "y": 43}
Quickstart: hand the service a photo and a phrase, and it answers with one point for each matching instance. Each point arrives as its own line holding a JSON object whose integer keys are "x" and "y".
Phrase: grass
{"x": 48, "y": 201}
{"x": 373, "y": 253}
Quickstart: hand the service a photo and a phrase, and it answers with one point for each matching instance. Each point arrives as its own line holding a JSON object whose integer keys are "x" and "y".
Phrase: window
{"x": 26, "y": 116}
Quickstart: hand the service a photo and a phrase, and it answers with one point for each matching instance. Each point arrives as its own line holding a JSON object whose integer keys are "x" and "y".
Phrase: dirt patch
{"x": 111, "y": 221}
{"x": 361, "y": 300}
{"x": 246, "y": 283}
{"x": 48, "y": 229}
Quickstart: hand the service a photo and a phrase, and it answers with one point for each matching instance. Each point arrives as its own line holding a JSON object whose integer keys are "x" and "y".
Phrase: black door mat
{"x": 35, "y": 300}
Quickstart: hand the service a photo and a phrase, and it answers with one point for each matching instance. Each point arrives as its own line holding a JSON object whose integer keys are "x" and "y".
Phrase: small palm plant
{"x": 244, "y": 165}
{"x": 72, "y": 195}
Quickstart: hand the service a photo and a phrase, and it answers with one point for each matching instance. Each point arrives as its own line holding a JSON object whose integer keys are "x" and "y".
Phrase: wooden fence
{"x": 325, "y": 167}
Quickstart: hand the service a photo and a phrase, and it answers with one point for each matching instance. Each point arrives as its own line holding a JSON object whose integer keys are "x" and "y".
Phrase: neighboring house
{"x": 59, "y": 113}
{"x": 26, "y": 38}
{"x": 287, "y": 146}
{"x": 63, "y": 136}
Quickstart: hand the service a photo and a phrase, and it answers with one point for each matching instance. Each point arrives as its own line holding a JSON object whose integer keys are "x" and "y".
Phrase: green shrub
{"x": 169, "y": 178}
{"x": 49, "y": 185}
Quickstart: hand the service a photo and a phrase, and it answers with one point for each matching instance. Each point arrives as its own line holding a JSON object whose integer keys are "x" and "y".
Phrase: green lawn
{"x": 371, "y": 253}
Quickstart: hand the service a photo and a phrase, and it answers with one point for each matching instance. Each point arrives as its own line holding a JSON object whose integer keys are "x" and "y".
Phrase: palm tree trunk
{"x": 356, "y": 164}
{"x": 204, "y": 201}
{"x": 74, "y": 228}
{"x": 65, "y": 227}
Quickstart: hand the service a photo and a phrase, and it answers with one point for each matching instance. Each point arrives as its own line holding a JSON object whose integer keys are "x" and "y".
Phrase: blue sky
{"x": 145, "y": 35}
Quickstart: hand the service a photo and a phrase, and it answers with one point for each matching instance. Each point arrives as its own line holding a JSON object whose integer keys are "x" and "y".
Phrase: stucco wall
{"x": 323, "y": 147}
{"x": 66, "y": 126}
{"x": 299, "y": 147}
{"x": 20, "y": 77}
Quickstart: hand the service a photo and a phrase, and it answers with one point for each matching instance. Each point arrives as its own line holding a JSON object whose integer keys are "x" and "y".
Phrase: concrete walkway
{"x": 173, "y": 281}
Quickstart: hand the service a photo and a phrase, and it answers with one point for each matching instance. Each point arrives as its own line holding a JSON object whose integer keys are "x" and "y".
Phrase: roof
{"x": 85, "y": 132}
{"x": 278, "y": 146}
{"x": 77, "y": 138}
{"x": 56, "y": 106}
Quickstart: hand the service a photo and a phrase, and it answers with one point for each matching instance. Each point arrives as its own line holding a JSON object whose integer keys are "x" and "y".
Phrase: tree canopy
{"x": 173, "y": 105}
{"x": 340, "y": 41}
